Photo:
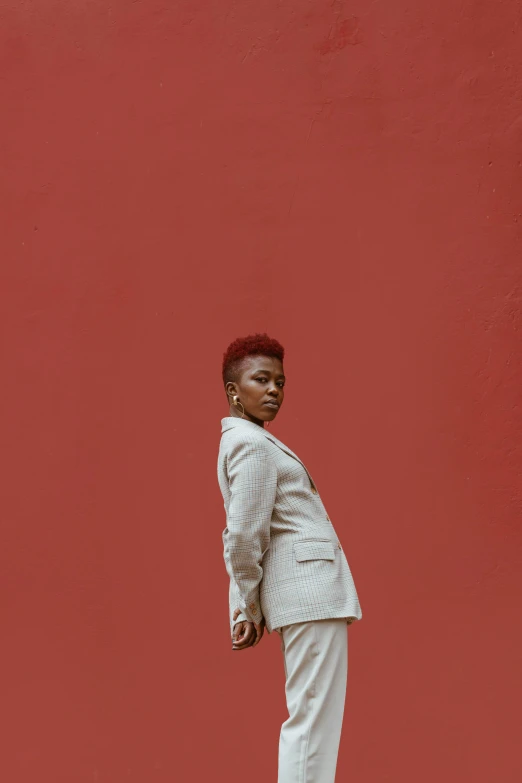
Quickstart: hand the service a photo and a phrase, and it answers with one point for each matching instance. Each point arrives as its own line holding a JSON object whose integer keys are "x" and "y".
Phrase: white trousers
{"x": 316, "y": 668}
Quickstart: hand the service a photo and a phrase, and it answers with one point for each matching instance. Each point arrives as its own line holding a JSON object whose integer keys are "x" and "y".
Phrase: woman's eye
{"x": 265, "y": 380}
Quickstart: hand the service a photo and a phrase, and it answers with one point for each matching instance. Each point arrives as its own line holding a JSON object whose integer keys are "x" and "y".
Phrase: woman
{"x": 287, "y": 569}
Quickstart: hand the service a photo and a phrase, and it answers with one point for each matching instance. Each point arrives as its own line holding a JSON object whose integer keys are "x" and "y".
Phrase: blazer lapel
{"x": 287, "y": 451}
{"x": 282, "y": 446}
{"x": 232, "y": 421}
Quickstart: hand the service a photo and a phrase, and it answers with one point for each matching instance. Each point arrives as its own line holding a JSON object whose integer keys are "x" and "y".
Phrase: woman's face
{"x": 260, "y": 389}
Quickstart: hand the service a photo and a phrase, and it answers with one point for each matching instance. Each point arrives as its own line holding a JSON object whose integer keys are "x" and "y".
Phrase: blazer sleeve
{"x": 252, "y": 478}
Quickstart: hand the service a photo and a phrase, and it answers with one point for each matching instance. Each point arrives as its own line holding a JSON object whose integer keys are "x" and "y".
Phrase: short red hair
{"x": 252, "y": 345}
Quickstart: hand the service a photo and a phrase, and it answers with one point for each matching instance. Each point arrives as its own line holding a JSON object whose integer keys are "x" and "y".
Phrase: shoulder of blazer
{"x": 243, "y": 447}
{"x": 239, "y": 436}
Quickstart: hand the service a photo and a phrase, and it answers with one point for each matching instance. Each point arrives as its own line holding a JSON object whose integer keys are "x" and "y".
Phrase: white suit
{"x": 286, "y": 565}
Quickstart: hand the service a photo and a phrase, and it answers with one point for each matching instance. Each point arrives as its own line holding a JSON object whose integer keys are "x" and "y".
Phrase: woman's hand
{"x": 246, "y": 634}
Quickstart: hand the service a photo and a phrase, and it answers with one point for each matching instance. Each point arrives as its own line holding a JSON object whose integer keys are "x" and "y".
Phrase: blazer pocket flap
{"x": 314, "y": 550}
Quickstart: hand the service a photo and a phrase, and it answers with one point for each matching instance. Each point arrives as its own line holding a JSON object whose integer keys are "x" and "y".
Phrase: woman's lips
{"x": 272, "y": 404}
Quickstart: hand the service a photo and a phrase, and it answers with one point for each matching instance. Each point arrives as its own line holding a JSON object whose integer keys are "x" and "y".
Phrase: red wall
{"x": 348, "y": 177}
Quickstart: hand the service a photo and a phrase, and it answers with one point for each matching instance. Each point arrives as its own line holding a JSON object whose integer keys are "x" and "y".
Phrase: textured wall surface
{"x": 348, "y": 177}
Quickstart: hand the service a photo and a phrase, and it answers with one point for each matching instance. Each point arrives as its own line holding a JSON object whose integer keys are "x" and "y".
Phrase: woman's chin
{"x": 267, "y": 414}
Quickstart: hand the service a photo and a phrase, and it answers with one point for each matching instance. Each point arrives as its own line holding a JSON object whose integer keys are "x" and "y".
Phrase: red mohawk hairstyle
{"x": 253, "y": 345}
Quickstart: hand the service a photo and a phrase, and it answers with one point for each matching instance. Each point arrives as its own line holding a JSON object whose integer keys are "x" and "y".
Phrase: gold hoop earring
{"x": 237, "y": 402}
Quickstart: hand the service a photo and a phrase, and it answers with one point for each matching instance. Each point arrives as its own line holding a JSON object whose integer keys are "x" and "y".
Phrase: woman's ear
{"x": 230, "y": 389}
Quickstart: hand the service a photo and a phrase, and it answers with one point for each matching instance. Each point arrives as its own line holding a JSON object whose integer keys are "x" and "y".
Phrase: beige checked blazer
{"x": 281, "y": 551}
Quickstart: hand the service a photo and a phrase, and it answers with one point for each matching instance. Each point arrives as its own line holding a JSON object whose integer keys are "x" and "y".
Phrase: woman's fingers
{"x": 246, "y": 634}
{"x": 247, "y": 637}
{"x": 243, "y": 635}
{"x": 237, "y": 633}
